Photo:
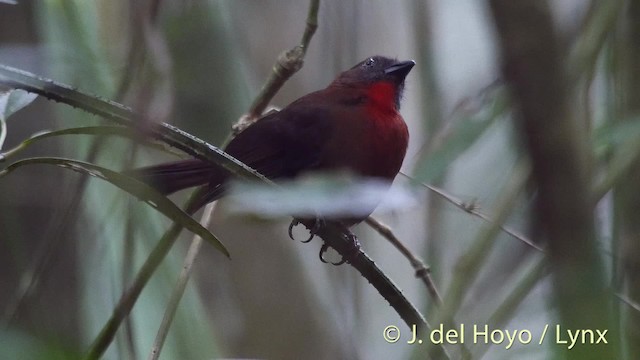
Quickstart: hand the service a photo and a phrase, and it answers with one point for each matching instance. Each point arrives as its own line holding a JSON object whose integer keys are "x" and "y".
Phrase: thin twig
{"x": 472, "y": 208}
{"x": 632, "y": 304}
{"x": 288, "y": 63}
{"x": 423, "y": 272}
{"x": 181, "y": 285}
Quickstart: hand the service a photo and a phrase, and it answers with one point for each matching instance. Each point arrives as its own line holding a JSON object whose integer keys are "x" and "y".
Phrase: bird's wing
{"x": 279, "y": 145}
{"x": 283, "y": 144}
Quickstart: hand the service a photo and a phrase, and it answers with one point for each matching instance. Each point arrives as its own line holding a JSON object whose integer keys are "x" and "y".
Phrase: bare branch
{"x": 422, "y": 271}
{"x": 288, "y": 63}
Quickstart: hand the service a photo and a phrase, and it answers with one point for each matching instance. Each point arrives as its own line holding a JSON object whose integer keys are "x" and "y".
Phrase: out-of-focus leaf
{"x": 134, "y": 187}
{"x": 10, "y": 102}
{"x": 619, "y": 144}
{"x": 20, "y": 345}
{"x": 89, "y": 130}
{"x": 460, "y": 137}
{"x": 324, "y": 195}
{"x": 10, "y": 2}
{"x": 14, "y": 100}
{"x": 3, "y": 132}
{"x": 613, "y": 134}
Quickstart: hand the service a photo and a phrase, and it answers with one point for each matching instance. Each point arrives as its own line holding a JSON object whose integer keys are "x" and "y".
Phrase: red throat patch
{"x": 383, "y": 94}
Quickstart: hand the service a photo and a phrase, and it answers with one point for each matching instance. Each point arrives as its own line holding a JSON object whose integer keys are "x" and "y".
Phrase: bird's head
{"x": 382, "y": 77}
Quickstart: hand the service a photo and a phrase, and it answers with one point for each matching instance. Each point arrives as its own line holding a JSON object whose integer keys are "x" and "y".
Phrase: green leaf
{"x": 134, "y": 187}
{"x": 10, "y": 102}
{"x": 90, "y": 130}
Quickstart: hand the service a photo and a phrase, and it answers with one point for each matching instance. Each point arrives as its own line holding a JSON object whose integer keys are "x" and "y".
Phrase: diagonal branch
{"x": 112, "y": 111}
{"x": 334, "y": 236}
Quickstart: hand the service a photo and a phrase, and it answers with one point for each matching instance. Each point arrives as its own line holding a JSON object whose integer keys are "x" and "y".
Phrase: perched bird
{"x": 352, "y": 125}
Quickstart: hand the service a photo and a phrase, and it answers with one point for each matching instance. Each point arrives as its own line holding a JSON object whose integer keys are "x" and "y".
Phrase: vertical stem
{"x": 432, "y": 112}
{"x": 130, "y": 296}
{"x": 533, "y": 66}
{"x": 181, "y": 285}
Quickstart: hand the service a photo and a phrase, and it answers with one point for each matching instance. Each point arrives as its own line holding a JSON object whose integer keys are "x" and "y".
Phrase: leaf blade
{"x": 132, "y": 186}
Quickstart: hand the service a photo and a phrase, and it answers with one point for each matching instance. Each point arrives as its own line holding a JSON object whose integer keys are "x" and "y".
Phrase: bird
{"x": 353, "y": 125}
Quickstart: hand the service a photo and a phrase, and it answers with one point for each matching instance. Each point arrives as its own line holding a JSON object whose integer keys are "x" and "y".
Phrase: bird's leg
{"x": 318, "y": 223}
{"x": 352, "y": 251}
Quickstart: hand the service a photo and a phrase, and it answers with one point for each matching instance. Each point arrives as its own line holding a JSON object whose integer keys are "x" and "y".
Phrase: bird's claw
{"x": 323, "y": 250}
{"x": 317, "y": 225}
{"x": 293, "y": 224}
{"x": 352, "y": 251}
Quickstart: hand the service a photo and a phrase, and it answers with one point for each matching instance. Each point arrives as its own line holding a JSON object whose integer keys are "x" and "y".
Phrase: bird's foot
{"x": 317, "y": 225}
{"x": 352, "y": 251}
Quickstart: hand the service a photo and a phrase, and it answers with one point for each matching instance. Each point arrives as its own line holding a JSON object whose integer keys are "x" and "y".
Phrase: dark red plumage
{"x": 354, "y": 124}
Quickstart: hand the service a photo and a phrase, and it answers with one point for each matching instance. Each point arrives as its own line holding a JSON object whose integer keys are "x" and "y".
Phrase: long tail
{"x": 170, "y": 177}
{"x": 174, "y": 176}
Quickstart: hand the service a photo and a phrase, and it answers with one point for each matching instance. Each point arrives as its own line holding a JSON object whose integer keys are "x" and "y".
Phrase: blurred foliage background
{"x": 69, "y": 245}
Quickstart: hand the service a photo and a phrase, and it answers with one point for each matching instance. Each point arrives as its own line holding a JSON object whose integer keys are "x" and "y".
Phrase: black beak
{"x": 400, "y": 69}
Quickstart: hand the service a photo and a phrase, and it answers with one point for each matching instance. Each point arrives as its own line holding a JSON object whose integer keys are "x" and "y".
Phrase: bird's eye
{"x": 369, "y": 62}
